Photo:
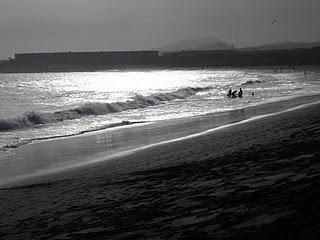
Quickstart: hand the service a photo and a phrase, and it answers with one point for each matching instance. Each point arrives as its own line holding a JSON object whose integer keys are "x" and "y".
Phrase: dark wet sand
{"x": 256, "y": 180}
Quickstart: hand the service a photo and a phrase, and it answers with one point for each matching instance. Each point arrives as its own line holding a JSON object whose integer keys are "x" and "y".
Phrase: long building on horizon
{"x": 93, "y": 61}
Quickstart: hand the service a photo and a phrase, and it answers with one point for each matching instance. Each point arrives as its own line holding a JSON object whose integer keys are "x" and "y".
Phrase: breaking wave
{"x": 251, "y": 82}
{"x": 31, "y": 119}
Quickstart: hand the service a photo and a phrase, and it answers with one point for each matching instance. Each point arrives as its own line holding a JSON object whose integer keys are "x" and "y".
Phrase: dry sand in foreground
{"x": 257, "y": 180}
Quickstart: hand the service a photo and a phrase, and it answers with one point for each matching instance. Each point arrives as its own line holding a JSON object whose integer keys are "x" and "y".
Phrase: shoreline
{"x": 128, "y": 124}
{"x": 256, "y": 180}
{"x": 99, "y": 154}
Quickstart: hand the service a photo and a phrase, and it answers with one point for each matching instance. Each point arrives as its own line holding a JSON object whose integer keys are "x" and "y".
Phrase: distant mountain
{"x": 197, "y": 44}
{"x": 286, "y": 45}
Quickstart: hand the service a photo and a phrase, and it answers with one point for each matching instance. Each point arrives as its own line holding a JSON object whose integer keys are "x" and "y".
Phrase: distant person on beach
{"x": 252, "y": 93}
{"x": 305, "y": 73}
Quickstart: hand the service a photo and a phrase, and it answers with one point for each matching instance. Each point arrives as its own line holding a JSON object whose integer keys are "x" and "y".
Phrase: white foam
{"x": 31, "y": 119}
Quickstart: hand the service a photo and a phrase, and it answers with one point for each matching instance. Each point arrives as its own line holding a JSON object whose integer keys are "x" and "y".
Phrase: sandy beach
{"x": 255, "y": 180}
{"x": 178, "y": 120}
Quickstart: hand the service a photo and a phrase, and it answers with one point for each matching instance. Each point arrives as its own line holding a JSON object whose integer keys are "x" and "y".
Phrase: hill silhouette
{"x": 286, "y": 45}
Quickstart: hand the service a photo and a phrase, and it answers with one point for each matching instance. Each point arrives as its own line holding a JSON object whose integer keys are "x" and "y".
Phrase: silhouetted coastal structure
{"x": 61, "y": 61}
{"x": 93, "y": 61}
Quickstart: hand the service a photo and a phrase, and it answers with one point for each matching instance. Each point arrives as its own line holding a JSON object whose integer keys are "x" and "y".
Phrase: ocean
{"x": 40, "y": 106}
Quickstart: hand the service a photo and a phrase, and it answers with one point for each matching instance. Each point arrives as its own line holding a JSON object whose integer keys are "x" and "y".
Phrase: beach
{"x": 175, "y": 120}
{"x": 254, "y": 179}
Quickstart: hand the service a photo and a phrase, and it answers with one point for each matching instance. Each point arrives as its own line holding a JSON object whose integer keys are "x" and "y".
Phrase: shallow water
{"x": 44, "y": 105}
{"x": 56, "y": 155}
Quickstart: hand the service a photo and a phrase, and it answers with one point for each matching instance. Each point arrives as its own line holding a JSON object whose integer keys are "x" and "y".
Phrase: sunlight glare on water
{"x": 77, "y": 88}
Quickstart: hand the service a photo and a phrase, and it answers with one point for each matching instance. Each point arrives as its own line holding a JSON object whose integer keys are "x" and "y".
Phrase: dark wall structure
{"x": 93, "y": 61}
{"x": 61, "y": 61}
{"x": 242, "y": 58}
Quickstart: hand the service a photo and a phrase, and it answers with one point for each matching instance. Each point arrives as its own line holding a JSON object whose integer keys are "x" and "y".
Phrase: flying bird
{"x": 274, "y": 21}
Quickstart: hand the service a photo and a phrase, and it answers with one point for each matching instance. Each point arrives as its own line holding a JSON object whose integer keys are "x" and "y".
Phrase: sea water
{"x": 36, "y": 106}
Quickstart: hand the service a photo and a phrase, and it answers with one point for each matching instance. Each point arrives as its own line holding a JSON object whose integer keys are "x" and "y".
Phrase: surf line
{"x": 17, "y": 180}
{"x": 131, "y": 151}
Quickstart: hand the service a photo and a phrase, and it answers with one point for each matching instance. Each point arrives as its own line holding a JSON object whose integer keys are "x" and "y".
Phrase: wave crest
{"x": 251, "y": 82}
{"x": 31, "y": 119}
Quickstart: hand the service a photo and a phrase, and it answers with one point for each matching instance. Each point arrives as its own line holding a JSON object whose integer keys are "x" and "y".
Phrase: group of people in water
{"x": 235, "y": 93}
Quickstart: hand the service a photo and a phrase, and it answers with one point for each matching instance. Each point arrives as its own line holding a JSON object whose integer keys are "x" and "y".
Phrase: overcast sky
{"x": 87, "y": 25}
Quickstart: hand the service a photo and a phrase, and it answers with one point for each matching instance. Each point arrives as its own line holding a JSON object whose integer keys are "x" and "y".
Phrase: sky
{"x": 94, "y": 25}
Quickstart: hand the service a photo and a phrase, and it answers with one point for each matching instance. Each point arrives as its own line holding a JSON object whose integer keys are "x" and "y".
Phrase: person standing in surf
{"x": 240, "y": 93}
{"x": 229, "y": 93}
